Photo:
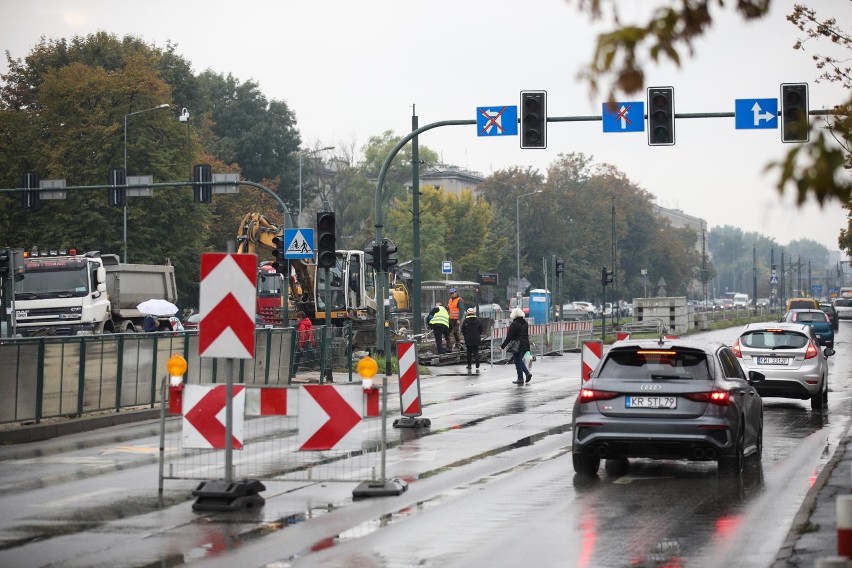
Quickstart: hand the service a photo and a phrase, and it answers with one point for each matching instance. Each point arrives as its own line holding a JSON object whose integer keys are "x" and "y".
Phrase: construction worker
{"x": 439, "y": 320}
{"x": 455, "y": 305}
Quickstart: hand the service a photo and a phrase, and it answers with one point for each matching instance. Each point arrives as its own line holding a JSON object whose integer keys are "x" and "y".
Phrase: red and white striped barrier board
{"x": 590, "y": 357}
{"x": 409, "y": 379}
{"x": 622, "y": 336}
{"x": 271, "y": 401}
{"x": 844, "y": 525}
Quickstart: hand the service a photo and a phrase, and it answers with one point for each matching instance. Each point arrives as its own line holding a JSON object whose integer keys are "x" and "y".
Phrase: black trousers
{"x": 472, "y": 353}
{"x": 442, "y": 334}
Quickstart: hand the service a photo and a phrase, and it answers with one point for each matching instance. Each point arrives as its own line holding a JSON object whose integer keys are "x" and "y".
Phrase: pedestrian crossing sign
{"x": 299, "y": 243}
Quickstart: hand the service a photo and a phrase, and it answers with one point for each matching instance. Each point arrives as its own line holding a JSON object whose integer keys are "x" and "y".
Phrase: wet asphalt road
{"x": 489, "y": 484}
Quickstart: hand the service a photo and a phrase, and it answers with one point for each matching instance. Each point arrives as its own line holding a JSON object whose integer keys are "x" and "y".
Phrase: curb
{"x": 808, "y": 506}
{"x": 38, "y": 432}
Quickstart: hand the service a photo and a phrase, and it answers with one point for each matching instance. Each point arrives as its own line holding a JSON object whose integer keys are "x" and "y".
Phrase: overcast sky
{"x": 351, "y": 70}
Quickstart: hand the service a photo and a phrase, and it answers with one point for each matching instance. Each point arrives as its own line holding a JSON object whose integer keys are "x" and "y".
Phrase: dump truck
{"x": 65, "y": 293}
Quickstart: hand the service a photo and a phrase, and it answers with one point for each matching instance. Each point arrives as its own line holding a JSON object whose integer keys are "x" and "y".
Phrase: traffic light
{"x": 326, "y": 239}
{"x": 533, "y": 119}
{"x": 661, "y": 122}
{"x": 560, "y": 266}
{"x": 388, "y": 255}
{"x": 32, "y": 197}
{"x": 794, "y": 112}
{"x": 372, "y": 253}
{"x": 278, "y": 252}
{"x": 118, "y": 191}
{"x": 4, "y": 263}
{"x": 606, "y": 276}
{"x": 202, "y": 176}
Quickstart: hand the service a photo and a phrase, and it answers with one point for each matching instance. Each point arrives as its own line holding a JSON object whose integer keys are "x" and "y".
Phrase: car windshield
{"x": 655, "y": 364}
{"x": 843, "y": 302}
{"x": 773, "y": 339}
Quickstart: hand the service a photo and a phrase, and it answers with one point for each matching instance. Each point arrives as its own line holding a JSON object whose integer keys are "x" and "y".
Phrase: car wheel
{"x": 733, "y": 465}
{"x": 818, "y": 400}
{"x": 758, "y": 453}
{"x": 586, "y": 465}
{"x": 616, "y": 466}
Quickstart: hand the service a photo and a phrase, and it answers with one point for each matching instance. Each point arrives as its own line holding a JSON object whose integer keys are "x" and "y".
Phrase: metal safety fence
{"x": 271, "y": 447}
{"x": 551, "y": 338}
{"x": 48, "y": 377}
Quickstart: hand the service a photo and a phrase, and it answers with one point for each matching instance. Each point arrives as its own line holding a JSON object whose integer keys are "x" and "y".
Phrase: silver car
{"x": 667, "y": 399}
{"x": 789, "y": 356}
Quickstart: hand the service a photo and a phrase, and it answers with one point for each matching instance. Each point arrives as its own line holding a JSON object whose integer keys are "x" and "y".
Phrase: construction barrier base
{"x": 411, "y": 422}
{"x": 388, "y": 488}
{"x": 221, "y": 495}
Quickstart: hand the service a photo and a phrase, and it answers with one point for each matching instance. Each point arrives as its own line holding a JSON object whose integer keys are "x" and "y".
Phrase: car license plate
{"x": 651, "y": 402}
{"x": 773, "y": 360}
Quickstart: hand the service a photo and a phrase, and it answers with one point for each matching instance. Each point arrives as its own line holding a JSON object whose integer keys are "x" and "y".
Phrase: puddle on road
{"x": 384, "y": 520}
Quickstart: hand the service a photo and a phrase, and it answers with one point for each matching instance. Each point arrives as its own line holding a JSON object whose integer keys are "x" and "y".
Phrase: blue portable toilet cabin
{"x": 540, "y": 306}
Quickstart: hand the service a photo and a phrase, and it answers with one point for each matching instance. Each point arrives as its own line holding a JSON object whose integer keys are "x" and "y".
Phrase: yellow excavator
{"x": 352, "y": 284}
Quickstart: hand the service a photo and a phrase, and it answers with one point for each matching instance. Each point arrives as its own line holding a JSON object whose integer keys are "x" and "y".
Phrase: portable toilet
{"x": 540, "y": 306}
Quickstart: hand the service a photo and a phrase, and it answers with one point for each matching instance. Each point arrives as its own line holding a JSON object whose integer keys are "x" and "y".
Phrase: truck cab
{"x": 60, "y": 293}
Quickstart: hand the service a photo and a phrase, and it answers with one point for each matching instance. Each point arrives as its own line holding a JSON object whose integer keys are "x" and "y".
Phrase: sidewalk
{"x": 814, "y": 532}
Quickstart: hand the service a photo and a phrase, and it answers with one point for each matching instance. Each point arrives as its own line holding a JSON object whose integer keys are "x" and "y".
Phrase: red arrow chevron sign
{"x": 227, "y": 300}
{"x": 330, "y": 417}
{"x": 204, "y": 417}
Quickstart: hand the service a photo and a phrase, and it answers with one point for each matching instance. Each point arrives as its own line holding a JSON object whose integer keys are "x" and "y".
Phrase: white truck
{"x": 71, "y": 294}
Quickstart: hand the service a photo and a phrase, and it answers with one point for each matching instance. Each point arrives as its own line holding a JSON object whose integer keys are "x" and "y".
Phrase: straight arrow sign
{"x": 329, "y": 416}
{"x": 227, "y": 301}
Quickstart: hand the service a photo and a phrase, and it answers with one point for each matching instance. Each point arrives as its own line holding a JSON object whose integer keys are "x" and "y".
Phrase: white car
{"x": 844, "y": 308}
{"x": 588, "y": 306}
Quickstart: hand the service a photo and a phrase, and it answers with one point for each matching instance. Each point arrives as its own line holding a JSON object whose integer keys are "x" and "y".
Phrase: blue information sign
{"x": 624, "y": 117}
{"x": 497, "y": 121}
{"x": 756, "y": 113}
{"x": 299, "y": 243}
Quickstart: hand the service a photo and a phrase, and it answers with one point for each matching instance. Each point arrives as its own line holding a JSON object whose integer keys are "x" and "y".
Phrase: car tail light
{"x": 736, "y": 349}
{"x": 717, "y": 397}
{"x": 811, "y": 351}
{"x": 591, "y": 395}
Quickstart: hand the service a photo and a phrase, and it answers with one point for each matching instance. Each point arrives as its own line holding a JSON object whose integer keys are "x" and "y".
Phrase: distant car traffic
{"x": 763, "y": 302}
{"x": 667, "y": 399}
{"x": 818, "y": 320}
{"x": 831, "y": 312}
{"x": 789, "y": 357}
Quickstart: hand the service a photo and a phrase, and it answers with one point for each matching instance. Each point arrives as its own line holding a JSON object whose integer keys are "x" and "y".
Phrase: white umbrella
{"x": 157, "y": 307}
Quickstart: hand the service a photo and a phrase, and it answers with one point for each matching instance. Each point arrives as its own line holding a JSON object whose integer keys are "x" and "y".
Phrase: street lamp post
{"x": 518, "y": 238}
{"x": 311, "y": 153}
{"x": 164, "y": 105}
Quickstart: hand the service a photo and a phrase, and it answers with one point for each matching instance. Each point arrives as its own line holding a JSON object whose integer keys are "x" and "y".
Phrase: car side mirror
{"x": 828, "y": 352}
{"x": 755, "y": 377}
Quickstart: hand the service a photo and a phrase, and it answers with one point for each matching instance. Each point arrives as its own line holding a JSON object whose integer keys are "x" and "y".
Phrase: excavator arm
{"x": 256, "y": 232}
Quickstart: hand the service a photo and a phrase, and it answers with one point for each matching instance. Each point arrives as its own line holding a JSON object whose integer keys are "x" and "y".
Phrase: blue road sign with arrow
{"x": 497, "y": 121}
{"x": 624, "y": 117}
{"x": 756, "y": 113}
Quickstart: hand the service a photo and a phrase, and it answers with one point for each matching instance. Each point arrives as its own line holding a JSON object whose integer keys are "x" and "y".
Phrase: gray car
{"x": 667, "y": 399}
{"x": 789, "y": 356}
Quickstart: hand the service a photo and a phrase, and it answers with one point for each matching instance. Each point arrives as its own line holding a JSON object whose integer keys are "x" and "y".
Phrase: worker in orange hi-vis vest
{"x": 455, "y": 305}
